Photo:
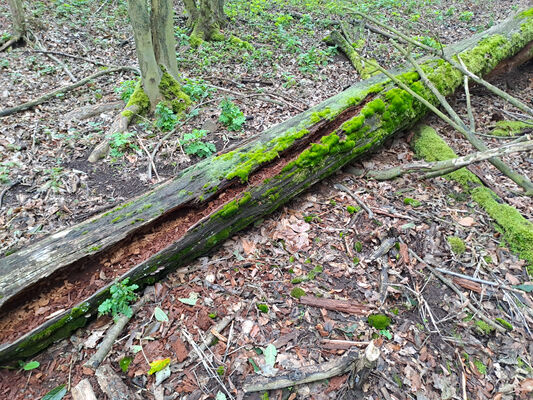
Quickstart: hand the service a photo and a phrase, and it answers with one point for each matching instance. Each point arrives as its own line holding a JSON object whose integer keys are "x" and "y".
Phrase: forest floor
{"x": 321, "y": 242}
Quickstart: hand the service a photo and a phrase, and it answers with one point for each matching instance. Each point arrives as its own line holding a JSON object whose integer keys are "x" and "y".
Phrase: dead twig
{"x": 353, "y": 361}
{"x": 437, "y": 168}
{"x": 356, "y": 198}
{"x": 64, "y": 89}
{"x": 208, "y": 366}
{"x": 450, "y": 284}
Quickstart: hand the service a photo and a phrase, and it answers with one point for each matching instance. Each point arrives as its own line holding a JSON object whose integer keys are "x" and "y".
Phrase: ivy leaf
{"x": 220, "y": 396}
{"x": 160, "y": 315}
{"x": 525, "y": 288}
{"x": 386, "y": 333}
{"x": 56, "y": 393}
{"x": 270, "y": 353}
{"x": 136, "y": 348}
{"x": 191, "y": 300}
{"x": 31, "y": 365}
{"x": 158, "y": 365}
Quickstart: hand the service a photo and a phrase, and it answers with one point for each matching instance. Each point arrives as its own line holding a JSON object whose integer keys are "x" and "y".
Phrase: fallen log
{"x": 54, "y": 286}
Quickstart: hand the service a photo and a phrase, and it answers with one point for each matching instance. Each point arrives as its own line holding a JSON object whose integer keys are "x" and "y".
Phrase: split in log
{"x": 168, "y": 227}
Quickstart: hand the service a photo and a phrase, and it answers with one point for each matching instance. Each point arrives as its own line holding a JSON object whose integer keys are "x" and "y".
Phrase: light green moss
{"x": 456, "y": 244}
{"x": 379, "y": 321}
{"x": 517, "y": 230}
{"x": 138, "y": 98}
{"x": 527, "y": 13}
{"x": 411, "y": 202}
{"x": 297, "y": 292}
{"x": 175, "y": 97}
{"x": 510, "y": 128}
{"x": 483, "y": 328}
{"x": 234, "y": 40}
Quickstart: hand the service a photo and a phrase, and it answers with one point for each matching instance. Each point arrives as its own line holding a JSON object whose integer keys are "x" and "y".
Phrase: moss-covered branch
{"x": 517, "y": 230}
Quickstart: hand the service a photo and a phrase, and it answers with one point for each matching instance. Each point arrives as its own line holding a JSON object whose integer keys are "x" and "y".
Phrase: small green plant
{"x": 126, "y": 89}
{"x": 197, "y": 89}
{"x": 221, "y": 370}
{"x": 122, "y": 295}
{"x": 29, "y": 365}
{"x": 263, "y": 308}
{"x": 166, "y": 119}
{"x": 411, "y": 202}
{"x": 192, "y": 144}
{"x": 231, "y": 115}
{"x": 456, "y": 244}
{"x": 482, "y": 368}
{"x": 120, "y": 143}
{"x": 466, "y": 16}
{"x": 352, "y": 209}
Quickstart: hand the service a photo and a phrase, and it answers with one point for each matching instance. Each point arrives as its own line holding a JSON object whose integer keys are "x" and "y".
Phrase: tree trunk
{"x": 207, "y": 17}
{"x": 155, "y": 45}
{"x": 19, "y": 24}
{"x": 17, "y": 13}
{"x": 163, "y": 230}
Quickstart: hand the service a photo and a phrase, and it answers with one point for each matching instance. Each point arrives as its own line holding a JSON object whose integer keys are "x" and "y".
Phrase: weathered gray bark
{"x": 319, "y": 141}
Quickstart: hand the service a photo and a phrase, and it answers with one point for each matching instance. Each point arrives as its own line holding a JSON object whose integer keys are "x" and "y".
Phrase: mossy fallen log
{"x": 166, "y": 228}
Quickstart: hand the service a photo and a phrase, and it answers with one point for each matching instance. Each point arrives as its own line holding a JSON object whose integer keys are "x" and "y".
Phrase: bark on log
{"x": 206, "y": 203}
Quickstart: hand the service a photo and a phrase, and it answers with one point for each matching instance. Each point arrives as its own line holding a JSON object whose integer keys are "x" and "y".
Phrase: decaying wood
{"x": 83, "y": 391}
{"x": 113, "y": 333}
{"x": 355, "y": 361}
{"x": 332, "y": 344}
{"x": 344, "y": 306}
{"x": 112, "y": 385}
{"x": 431, "y": 169}
{"x": 212, "y": 199}
{"x": 91, "y": 110}
{"x": 336, "y": 38}
{"x": 44, "y": 98}
{"x": 120, "y": 125}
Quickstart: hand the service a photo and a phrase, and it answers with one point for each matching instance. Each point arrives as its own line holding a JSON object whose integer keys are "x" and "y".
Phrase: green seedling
{"x": 122, "y": 295}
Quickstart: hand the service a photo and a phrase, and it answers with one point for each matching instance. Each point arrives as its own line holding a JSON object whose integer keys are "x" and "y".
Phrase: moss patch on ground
{"x": 517, "y": 230}
{"x": 511, "y": 128}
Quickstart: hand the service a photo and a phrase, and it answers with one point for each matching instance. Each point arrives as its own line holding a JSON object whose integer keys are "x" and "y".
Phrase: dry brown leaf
{"x": 467, "y": 221}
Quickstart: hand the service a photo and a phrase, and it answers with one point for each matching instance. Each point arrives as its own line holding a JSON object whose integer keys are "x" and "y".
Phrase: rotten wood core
{"x": 76, "y": 282}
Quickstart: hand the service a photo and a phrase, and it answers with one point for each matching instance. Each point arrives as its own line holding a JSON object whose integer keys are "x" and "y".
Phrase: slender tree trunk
{"x": 192, "y": 12}
{"x": 150, "y": 70}
{"x": 207, "y": 18}
{"x": 163, "y": 36}
{"x": 17, "y": 13}
{"x": 156, "y": 50}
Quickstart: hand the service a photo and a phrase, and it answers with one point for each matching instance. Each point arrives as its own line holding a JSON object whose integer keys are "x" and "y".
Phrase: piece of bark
{"x": 344, "y": 306}
{"x": 358, "y": 362}
{"x": 334, "y": 344}
{"x": 83, "y": 391}
{"x": 112, "y": 385}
